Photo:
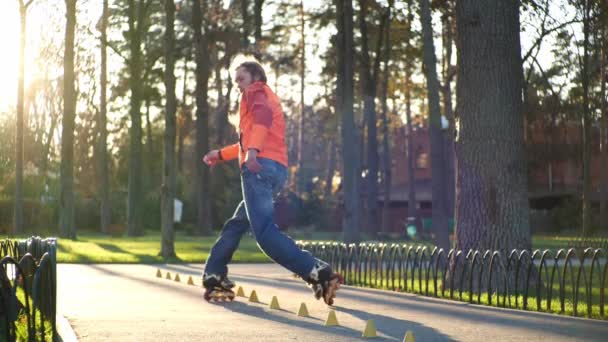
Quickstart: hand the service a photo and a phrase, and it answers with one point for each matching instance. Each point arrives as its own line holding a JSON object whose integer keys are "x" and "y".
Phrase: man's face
{"x": 243, "y": 78}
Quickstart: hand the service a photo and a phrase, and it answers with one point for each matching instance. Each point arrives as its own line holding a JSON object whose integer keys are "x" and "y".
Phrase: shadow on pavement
{"x": 396, "y": 328}
{"x": 141, "y": 258}
{"x": 304, "y": 323}
{"x": 591, "y": 330}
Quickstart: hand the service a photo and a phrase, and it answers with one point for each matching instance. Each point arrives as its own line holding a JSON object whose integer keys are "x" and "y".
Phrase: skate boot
{"x": 217, "y": 288}
{"x": 324, "y": 282}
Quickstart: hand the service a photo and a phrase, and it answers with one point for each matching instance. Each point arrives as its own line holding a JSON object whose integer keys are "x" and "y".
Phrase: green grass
{"x": 532, "y": 304}
{"x": 21, "y": 332}
{"x": 541, "y": 242}
{"x": 96, "y": 248}
{"x": 550, "y": 242}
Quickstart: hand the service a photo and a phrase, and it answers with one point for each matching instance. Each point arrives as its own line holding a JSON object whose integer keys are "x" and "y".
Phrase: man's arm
{"x": 262, "y": 117}
{"x": 229, "y": 152}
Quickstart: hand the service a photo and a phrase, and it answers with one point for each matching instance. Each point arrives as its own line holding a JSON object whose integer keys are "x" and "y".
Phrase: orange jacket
{"x": 261, "y": 125}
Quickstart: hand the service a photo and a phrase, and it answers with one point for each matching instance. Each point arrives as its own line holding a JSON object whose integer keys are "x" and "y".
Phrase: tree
{"x": 411, "y": 194}
{"x": 438, "y": 180}
{"x": 104, "y": 184}
{"x": 385, "y": 128}
{"x": 344, "y": 104}
{"x": 491, "y": 186}
{"x": 202, "y": 116}
{"x": 586, "y": 114}
{"x": 369, "y": 75}
{"x": 66, "y": 213}
{"x": 167, "y": 248}
{"x": 449, "y": 71}
{"x": 18, "y": 213}
{"x": 604, "y": 130}
{"x": 257, "y": 20}
{"x": 245, "y": 17}
{"x": 304, "y": 170}
{"x": 136, "y": 17}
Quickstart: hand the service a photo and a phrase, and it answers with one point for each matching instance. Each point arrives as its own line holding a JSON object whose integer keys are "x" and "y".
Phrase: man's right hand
{"x": 212, "y": 158}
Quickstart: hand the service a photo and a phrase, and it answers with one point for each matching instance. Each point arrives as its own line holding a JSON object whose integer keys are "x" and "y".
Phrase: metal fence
{"x": 28, "y": 284}
{"x": 569, "y": 281}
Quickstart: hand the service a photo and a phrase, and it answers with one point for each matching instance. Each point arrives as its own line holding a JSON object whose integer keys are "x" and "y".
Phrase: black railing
{"x": 28, "y": 287}
{"x": 569, "y": 281}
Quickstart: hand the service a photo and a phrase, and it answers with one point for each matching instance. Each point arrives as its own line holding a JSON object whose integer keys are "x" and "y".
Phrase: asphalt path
{"x": 129, "y": 303}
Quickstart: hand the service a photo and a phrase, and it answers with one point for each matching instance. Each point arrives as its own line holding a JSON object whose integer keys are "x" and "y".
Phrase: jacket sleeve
{"x": 230, "y": 152}
{"x": 262, "y": 117}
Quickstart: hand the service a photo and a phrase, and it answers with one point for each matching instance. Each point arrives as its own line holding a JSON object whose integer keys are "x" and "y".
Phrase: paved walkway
{"x": 128, "y": 303}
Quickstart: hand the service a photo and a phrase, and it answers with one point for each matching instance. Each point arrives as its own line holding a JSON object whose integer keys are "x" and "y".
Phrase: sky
{"x": 45, "y": 18}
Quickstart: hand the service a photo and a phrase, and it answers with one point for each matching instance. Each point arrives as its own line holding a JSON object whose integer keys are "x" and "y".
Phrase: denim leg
{"x": 228, "y": 241}
{"x": 259, "y": 190}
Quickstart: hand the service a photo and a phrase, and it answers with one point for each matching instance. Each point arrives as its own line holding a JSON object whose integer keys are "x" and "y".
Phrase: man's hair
{"x": 255, "y": 70}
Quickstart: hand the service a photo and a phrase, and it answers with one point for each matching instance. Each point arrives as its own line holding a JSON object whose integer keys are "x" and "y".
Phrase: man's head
{"x": 249, "y": 72}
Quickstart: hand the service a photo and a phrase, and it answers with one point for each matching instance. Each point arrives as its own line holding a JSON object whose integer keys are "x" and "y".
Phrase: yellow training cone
{"x": 159, "y": 274}
{"x": 168, "y": 275}
{"x": 240, "y": 292}
{"x": 253, "y": 298}
{"x": 177, "y": 277}
{"x": 370, "y": 329}
{"x": 303, "y": 312}
{"x": 332, "y": 320}
{"x": 274, "y": 303}
{"x": 190, "y": 281}
{"x": 409, "y": 337}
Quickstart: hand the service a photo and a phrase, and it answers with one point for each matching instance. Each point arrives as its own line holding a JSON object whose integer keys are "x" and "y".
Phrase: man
{"x": 262, "y": 155}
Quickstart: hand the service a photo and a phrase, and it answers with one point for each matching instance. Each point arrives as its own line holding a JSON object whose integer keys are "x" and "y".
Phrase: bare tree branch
{"x": 544, "y": 34}
{"x": 108, "y": 44}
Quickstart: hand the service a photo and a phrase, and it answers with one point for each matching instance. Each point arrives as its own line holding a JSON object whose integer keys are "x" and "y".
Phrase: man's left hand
{"x": 251, "y": 161}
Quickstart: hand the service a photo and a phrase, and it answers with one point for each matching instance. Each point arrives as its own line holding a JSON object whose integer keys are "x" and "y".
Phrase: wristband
{"x": 219, "y": 153}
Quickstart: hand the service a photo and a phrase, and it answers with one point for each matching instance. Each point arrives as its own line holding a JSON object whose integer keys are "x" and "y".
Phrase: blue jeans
{"x": 256, "y": 211}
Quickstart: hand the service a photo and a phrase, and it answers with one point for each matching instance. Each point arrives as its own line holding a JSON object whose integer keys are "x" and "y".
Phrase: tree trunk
{"x": 438, "y": 181}
{"x": 181, "y": 131}
{"x": 586, "y": 122}
{"x": 411, "y": 171}
{"x": 604, "y": 135}
{"x": 369, "y": 75}
{"x": 104, "y": 190}
{"x": 411, "y": 194}
{"x": 331, "y": 167}
{"x": 257, "y": 20}
{"x": 66, "y": 214}
{"x": 135, "y": 196}
{"x": 167, "y": 247}
{"x": 491, "y": 185}
{"x": 18, "y": 214}
{"x": 447, "y": 105}
{"x": 385, "y": 131}
{"x": 303, "y": 173}
{"x": 202, "y": 119}
{"x": 149, "y": 142}
{"x": 149, "y": 174}
{"x": 245, "y": 15}
{"x": 226, "y": 107}
{"x": 47, "y": 144}
{"x": 345, "y": 99}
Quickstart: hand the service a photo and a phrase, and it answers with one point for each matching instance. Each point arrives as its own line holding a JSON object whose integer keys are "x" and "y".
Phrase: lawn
{"x": 96, "y": 248}
{"x": 374, "y": 280}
